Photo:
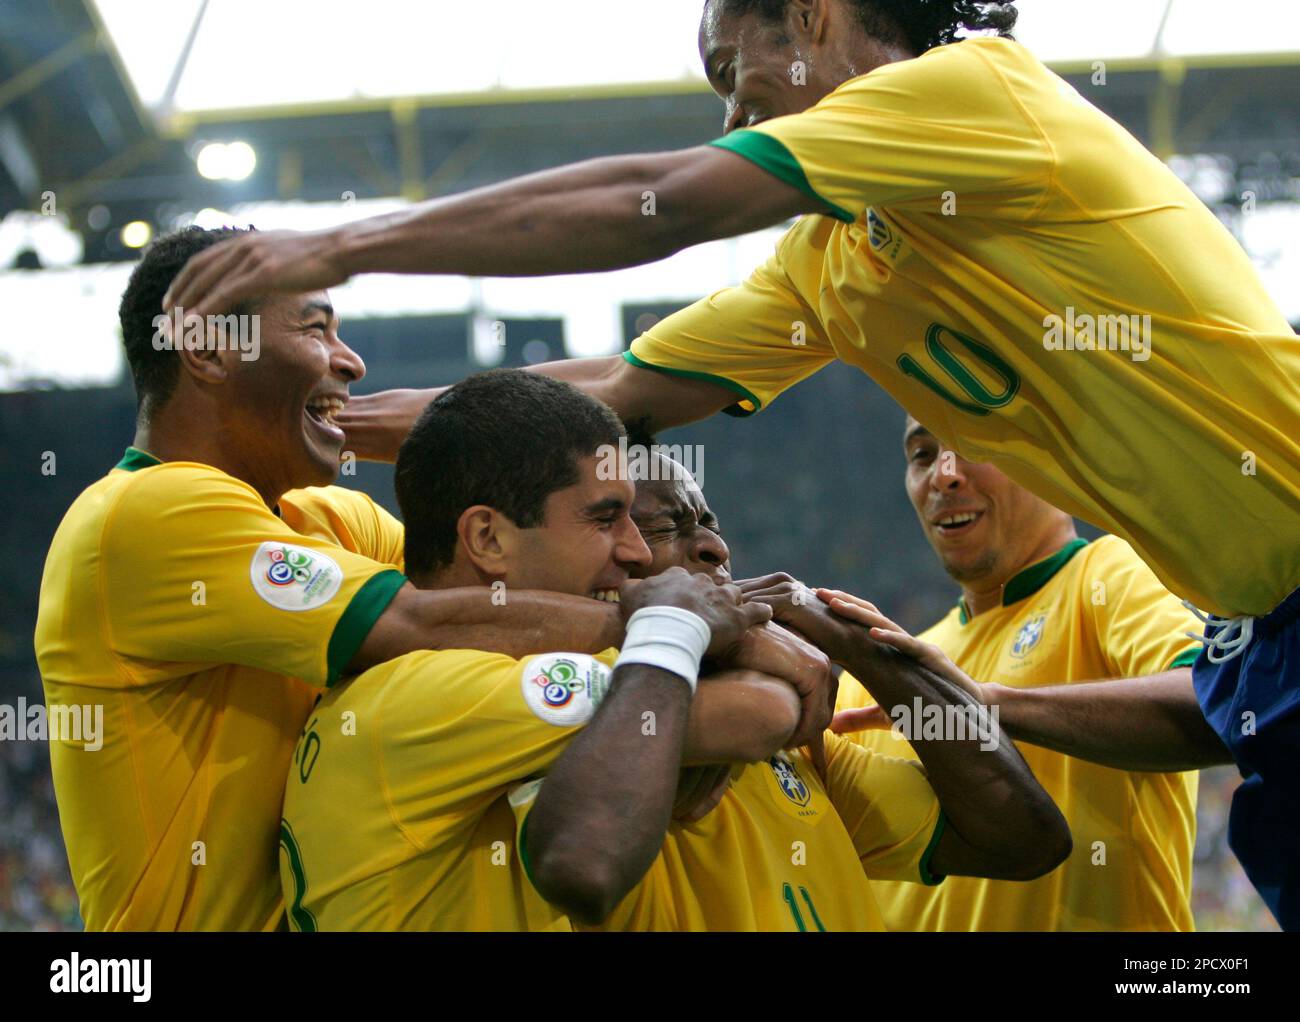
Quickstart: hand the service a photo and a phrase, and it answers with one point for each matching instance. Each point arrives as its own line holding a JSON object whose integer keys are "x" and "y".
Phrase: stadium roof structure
{"x": 314, "y": 55}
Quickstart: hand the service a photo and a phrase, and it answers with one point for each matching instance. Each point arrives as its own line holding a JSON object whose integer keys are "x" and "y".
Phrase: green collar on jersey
{"x": 134, "y": 458}
{"x": 1024, "y": 584}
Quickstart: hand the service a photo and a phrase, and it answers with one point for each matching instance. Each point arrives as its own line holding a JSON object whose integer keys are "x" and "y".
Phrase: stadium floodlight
{"x": 136, "y": 234}
{"x": 226, "y": 161}
{"x": 241, "y": 159}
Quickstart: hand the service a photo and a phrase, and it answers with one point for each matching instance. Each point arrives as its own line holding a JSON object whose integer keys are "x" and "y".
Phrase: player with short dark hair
{"x": 154, "y": 370}
{"x": 447, "y": 733}
{"x": 478, "y": 462}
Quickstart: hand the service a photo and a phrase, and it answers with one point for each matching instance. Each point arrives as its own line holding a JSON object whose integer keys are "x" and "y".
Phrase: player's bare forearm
{"x": 1148, "y": 724}
{"x": 778, "y": 652}
{"x": 664, "y": 400}
{"x": 1000, "y": 821}
{"x": 601, "y": 815}
{"x": 376, "y": 424}
{"x": 524, "y": 622}
{"x": 740, "y": 716}
{"x": 599, "y": 215}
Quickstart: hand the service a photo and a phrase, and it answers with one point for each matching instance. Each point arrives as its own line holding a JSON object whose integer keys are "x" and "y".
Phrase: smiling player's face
{"x": 587, "y": 544}
{"x": 287, "y": 396}
{"x": 983, "y": 526}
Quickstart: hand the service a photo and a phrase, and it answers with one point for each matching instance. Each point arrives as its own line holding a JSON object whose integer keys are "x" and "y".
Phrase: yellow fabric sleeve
{"x": 1141, "y": 627}
{"x": 195, "y": 580}
{"x": 338, "y": 511}
{"x": 459, "y": 727}
{"x": 757, "y": 339}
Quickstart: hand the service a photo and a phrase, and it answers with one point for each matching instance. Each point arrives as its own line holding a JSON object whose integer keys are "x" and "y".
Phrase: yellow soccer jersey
{"x": 396, "y": 812}
{"x": 1090, "y": 612}
{"x": 199, "y": 621}
{"x": 784, "y": 850}
{"x": 990, "y": 227}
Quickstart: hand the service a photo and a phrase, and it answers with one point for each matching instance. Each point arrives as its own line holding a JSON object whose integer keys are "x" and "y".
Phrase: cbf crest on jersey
{"x": 792, "y": 785}
{"x": 1029, "y": 635}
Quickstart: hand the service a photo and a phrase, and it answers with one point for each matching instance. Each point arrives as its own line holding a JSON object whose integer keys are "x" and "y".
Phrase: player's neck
{"x": 168, "y": 443}
{"x": 980, "y": 595}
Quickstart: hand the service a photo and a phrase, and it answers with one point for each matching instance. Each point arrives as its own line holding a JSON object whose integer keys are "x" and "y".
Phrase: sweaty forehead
{"x": 658, "y": 496}
{"x": 711, "y": 29}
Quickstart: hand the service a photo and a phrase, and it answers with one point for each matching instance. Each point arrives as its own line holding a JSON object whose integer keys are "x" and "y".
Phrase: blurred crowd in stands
{"x": 36, "y": 891}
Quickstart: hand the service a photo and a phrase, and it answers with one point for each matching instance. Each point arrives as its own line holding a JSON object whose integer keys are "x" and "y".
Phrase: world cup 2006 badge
{"x": 293, "y": 577}
{"x": 564, "y": 689}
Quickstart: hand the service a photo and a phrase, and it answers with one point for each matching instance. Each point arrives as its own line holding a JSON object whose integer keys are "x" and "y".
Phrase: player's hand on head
{"x": 722, "y": 607}
{"x": 220, "y": 277}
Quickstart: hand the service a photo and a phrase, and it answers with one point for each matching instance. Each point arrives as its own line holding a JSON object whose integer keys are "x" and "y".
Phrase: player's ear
{"x": 807, "y": 19}
{"x": 488, "y": 538}
{"x": 204, "y": 354}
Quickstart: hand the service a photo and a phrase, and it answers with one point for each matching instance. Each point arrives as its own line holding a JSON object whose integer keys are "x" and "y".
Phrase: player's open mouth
{"x": 605, "y": 595}
{"x": 322, "y": 410}
{"x": 957, "y": 523}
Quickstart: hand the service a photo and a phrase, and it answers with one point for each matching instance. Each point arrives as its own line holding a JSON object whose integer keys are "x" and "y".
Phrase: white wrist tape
{"x": 666, "y": 637}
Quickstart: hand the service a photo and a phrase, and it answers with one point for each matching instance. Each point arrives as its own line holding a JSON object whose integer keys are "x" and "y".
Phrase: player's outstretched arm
{"x": 1149, "y": 724}
{"x": 1000, "y": 821}
{"x": 527, "y": 622}
{"x": 376, "y": 424}
{"x": 601, "y": 815}
{"x": 1152, "y": 723}
{"x": 601, "y": 214}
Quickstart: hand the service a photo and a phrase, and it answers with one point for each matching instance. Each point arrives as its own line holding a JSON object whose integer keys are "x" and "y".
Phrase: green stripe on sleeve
{"x": 1186, "y": 658}
{"x": 370, "y": 601}
{"x": 770, "y": 153}
{"x": 737, "y": 409}
{"x": 928, "y": 878}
